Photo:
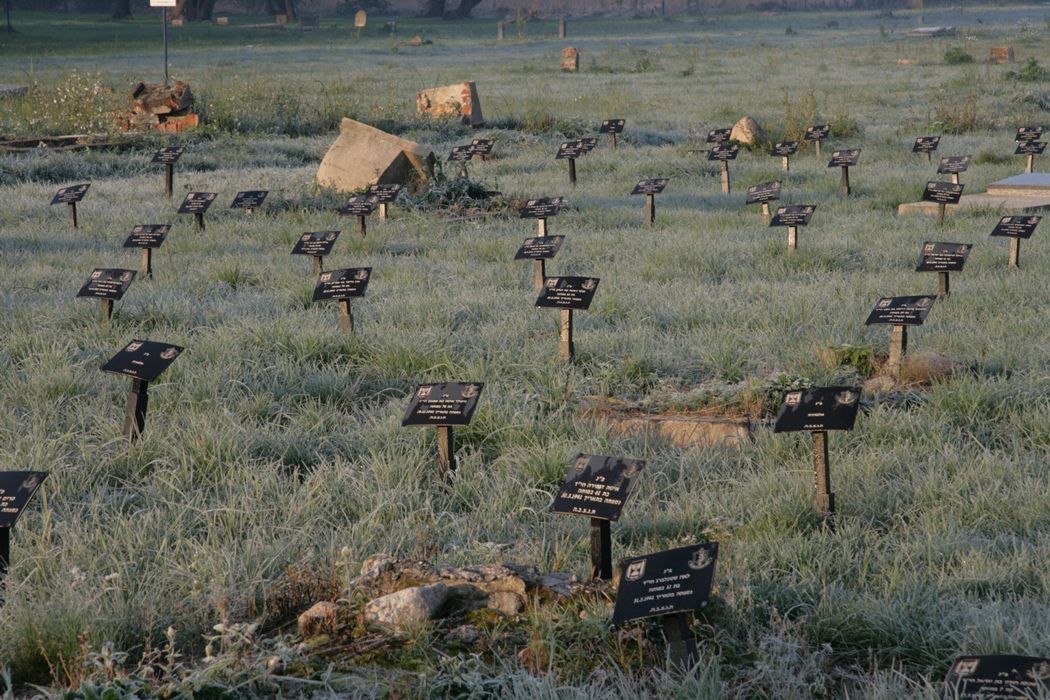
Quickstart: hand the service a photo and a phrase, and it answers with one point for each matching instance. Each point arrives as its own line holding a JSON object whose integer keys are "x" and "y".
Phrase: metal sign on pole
{"x": 164, "y": 5}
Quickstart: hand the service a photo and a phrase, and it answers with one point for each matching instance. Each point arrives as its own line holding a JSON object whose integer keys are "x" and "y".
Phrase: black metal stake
{"x": 346, "y": 316}
{"x": 71, "y": 214}
{"x": 446, "y": 450}
{"x": 5, "y": 551}
{"x": 943, "y": 284}
{"x": 929, "y": 157}
{"x": 650, "y": 209}
{"x": 566, "y": 349}
{"x": 198, "y": 220}
{"x": 823, "y": 498}
{"x": 601, "y": 550}
{"x": 680, "y": 640}
{"x": 169, "y": 179}
{"x": 572, "y": 171}
{"x": 845, "y": 180}
{"x": 135, "y": 415}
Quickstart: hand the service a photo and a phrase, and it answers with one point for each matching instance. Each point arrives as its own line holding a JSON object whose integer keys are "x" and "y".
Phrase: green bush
{"x": 1031, "y": 73}
{"x": 955, "y": 56}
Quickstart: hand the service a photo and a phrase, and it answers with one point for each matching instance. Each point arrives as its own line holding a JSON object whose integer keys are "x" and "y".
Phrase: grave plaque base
{"x": 135, "y": 415}
{"x": 107, "y": 309}
{"x": 5, "y": 551}
{"x": 561, "y": 29}
{"x": 318, "y": 264}
{"x": 382, "y": 210}
{"x": 169, "y": 179}
{"x": 499, "y": 31}
{"x": 898, "y": 347}
{"x": 614, "y": 141}
{"x": 446, "y": 450}
{"x": 823, "y": 498}
{"x": 1015, "y": 253}
{"x": 940, "y": 213}
{"x": 650, "y": 209}
{"x": 566, "y": 349}
{"x": 362, "y": 225}
{"x": 943, "y": 284}
{"x": 71, "y": 214}
{"x": 680, "y": 641}
{"x": 601, "y": 550}
{"x": 785, "y": 164}
{"x": 1030, "y": 165}
{"x": 845, "y": 179}
{"x": 572, "y": 171}
{"x": 955, "y": 178}
{"x": 541, "y": 227}
{"x": 792, "y": 239}
{"x": 146, "y": 269}
{"x": 198, "y": 220}
{"x": 725, "y": 177}
{"x": 346, "y": 316}
{"x": 539, "y": 273}
{"x": 929, "y": 157}
{"x": 816, "y": 145}
{"x": 766, "y": 215}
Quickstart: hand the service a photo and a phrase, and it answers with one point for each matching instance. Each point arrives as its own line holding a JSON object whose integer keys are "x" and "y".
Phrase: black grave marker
{"x": 785, "y": 149}
{"x": 818, "y": 410}
{"x": 542, "y": 208}
{"x": 816, "y": 134}
{"x": 462, "y": 155}
{"x": 724, "y": 152}
{"x": 197, "y": 203}
{"x": 16, "y": 490}
{"x": 718, "y": 135}
{"x": 943, "y": 258}
{"x": 360, "y": 206}
{"x": 482, "y": 147}
{"x": 926, "y": 145}
{"x": 793, "y": 216}
{"x": 954, "y": 165}
{"x": 943, "y": 194}
{"x": 567, "y": 294}
{"x": 70, "y": 196}
{"x": 671, "y": 584}
{"x": 343, "y": 285}
{"x": 1030, "y": 149}
{"x": 385, "y": 194}
{"x": 570, "y": 151}
{"x": 998, "y": 677}
{"x": 317, "y": 244}
{"x": 249, "y": 200}
{"x": 444, "y": 406}
{"x": 1015, "y": 228}
{"x": 1028, "y": 133}
{"x": 845, "y": 159}
{"x": 597, "y": 487}
{"x": 900, "y": 312}
{"x": 539, "y": 249}
{"x": 650, "y": 188}
{"x": 613, "y": 127}
{"x": 168, "y": 157}
{"x": 147, "y": 237}
{"x": 107, "y": 285}
{"x": 763, "y": 193}
{"x": 143, "y": 361}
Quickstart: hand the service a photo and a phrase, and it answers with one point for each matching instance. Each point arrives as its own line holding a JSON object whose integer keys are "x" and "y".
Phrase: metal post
{"x": 566, "y": 349}
{"x": 318, "y": 264}
{"x": 572, "y": 171}
{"x": 198, "y": 220}
{"x": 71, "y": 214}
{"x": 446, "y": 450}
{"x": 823, "y": 498}
{"x": 169, "y": 179}
{"x": 539, "y": 274}
{"x": 650, "y": 209}
{"x": 1015, "y": 253}
{"x": 765, "y": 213}
{"x": 680, "y": 641}
{"x": 362, "y": 226}
{"x": 898, "y": 348}
{"x": 5, "y": 551}
{"x": 601, "y": 550}
{"x": 929, "y": 156}
{"x": 107, "y": 309}
{"x": 845, "y": 180}
{"x": 147, "y": 263}
{"x": 725, "y": 177}
{"x": 346, "y": 317}
{"x": 940, "y": 213}
{"x": 135, "y": 415}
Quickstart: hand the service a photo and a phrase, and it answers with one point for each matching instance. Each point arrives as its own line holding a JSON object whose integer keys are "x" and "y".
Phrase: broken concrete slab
{"x": 570, "y": 59}
{"x": 1019, "y": 194}
{"x": 460, "y": 100}
{"x": 363, "y": 156}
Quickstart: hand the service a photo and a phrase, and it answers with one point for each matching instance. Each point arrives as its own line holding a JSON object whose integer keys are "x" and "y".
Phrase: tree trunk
{"x": 464, "y": 8}
{"x": 179, "y": 11}
{"x": 204, "y": 10}
{"x": 434, "y": 8}
{"x": 289, "y": 9}
{"x": 121, "y": 9}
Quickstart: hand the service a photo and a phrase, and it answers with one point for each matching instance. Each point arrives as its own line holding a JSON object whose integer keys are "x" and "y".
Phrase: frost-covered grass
{"x": 274, "y": 443}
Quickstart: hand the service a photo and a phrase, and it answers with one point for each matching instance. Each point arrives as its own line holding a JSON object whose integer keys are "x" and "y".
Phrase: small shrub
{"x": 1031, "y": 72}
{"x": 956, "y": 55}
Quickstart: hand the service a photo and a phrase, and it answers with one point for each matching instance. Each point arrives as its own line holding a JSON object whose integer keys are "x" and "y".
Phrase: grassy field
{"x": 274, "y": 462}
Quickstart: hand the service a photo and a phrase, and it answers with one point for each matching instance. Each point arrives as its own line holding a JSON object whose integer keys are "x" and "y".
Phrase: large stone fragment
{"x": 363, "y": 156}
{"x": 459, "y": 100}
{"x": 1001, "y": 54}
{"x": 570, "y": 59}
{"x": 321, "y": 618}
{"x": 746, "y": 131}
{"x": 408, "y": 607}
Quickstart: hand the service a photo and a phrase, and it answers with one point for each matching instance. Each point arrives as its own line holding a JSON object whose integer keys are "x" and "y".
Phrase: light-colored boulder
{"x": 360, "y": 19}
{"x": 746, "y": 131}
{"x": 363, "y": 156}
{"x": 408, "y": 607}
{"x": 570, "y": 59}
{"x": 460, "y": 100}
{"x": 321, "y": 618}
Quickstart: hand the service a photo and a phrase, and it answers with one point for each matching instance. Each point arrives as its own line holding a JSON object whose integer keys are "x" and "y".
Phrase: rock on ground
{"x": 408, "y": 607}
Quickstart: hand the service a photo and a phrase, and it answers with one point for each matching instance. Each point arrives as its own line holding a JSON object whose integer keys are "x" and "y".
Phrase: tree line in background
{"x": 202, "y": 10}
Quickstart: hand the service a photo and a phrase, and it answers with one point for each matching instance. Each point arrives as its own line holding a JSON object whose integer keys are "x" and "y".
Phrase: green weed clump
{"x": 956, "y": 56}
{"x": 1031, "y": 72}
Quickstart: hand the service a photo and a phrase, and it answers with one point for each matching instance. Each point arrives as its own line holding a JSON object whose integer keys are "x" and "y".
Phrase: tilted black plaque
{"x": 250, "y": 199}
{"x": 448, "y": 403}
{"x": 71, "y": 194}
{"x": 926, "y": 144}
{"x": 817, "y": 132}
{"x": 718, "y": 135}
{"x": 943, "y": 257}
{"x": 942, "y": 192}
{"x": 844, "y": 158}
{"x": 539, "y": 248}
{"x": 359, "y": 205}
{"x": 385, "y": 193}
{"x": 588, "y": 143}
{"x": 143, "y": 359}
{"x": 1030, "y": 148}
{"x": 107, "y": 283}
{"x": 342, "y": 284}
{"x": 763, "y": 192}
{"x": 482, "y": 147}
{"x": 597, "y": 486}
{"x": 793, "y": 215}
{"x": 998, "y": 677}
{"x": 654, "y": 185}
{"x": 817, "y": 409}
{"x": 901, "y": 311}
{"x": 570, "y": 149}
{"x": 197, "y": 202}
{"x": 724, "y": 152}
{"x": 1016, "y": 226}
{"x": 315, "y": 243}
{"x": 1029, "y": 133}
{"x": 542, "y": 208}
{"x": 612, "y": 126}
{"x": 567, "y": 292}
{"x": 460, "y": 154}
{"x": 784, "y": 148}
{"x": 16, "y": 488}
{"x": 168, "y": 156}
{"x": 674, "y": 581}
{"x": 953, "y": 165}
{"x": 147, "y": 236}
